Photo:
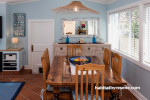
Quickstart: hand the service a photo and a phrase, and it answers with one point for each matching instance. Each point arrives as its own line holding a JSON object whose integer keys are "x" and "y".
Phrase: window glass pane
{"x": 114, "y": 29}
{"x": 135, "y": 33}
{"x": 124, "y": 32}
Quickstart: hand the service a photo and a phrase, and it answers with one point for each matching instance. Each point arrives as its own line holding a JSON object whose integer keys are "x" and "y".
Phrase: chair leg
{"x": 56, "y": 96}
{"x": 113, "y": 96}
{"x": 44, "y": 96}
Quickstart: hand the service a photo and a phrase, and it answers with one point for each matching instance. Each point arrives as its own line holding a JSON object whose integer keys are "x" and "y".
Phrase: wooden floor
{"x": 33, "y": 86}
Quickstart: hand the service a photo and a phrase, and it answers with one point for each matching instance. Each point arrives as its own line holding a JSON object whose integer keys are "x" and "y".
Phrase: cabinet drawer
{"x": 88, "y": 48}
{"x": 101, "y": 48}
{"x": 10, "y": 56}
{"x": 61, "y": 48}
{"x": 10, "y": 64}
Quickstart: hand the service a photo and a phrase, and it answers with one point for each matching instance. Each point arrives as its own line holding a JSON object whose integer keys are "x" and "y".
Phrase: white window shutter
{"x": 146, "y": 36}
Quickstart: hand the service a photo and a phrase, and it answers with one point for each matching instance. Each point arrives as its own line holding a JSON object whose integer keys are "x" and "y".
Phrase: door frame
{"x": 30, "y": 60}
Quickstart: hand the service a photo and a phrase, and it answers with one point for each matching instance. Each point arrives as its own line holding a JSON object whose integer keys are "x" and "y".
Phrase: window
{"x": 146, "y": 36}
{"x": 124, "y": 32}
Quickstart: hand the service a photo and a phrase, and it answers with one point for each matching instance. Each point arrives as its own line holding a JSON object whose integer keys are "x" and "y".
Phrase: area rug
{"x": 10, "y": 90}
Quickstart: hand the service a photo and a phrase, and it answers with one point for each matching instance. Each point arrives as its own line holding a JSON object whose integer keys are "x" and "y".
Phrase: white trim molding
{"x": 124, "y": 7}
{"x": 15, "y": 1}
{"x": 136, "y": 93}
{"x": 2, "y": 1}
{"x": 27, "y": 67}
{"x": 103, "y": 1}
{"x": 140, "y": 5}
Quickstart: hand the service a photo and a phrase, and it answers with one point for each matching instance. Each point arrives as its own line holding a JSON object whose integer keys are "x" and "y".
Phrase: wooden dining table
{"x": 60, "y": 74}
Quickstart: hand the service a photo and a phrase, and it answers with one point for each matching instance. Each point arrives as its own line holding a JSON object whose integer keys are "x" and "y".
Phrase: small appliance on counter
{"x": 81, "y": 40}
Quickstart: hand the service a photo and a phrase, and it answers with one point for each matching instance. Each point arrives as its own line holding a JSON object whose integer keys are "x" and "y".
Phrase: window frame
{"x": 144, "y": 19}
{"x": 140, "y": 5}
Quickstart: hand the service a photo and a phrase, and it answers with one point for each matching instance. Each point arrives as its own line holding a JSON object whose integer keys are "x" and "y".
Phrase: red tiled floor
{"x": 33, "y": 86}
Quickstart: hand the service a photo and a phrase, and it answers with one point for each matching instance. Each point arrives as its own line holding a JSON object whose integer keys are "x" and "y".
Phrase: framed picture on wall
{"x": 19, "y": 24}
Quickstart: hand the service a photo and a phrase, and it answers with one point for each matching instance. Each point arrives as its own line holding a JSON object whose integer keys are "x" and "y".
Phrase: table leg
{"x": 56, "y": 92}
{"x": 114, "y": 95}
{"x": 56, "y": 96}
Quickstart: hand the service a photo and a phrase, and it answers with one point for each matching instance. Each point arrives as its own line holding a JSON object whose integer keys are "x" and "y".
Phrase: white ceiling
{"x": 103, "y": 1}
{"x": 15, "y": 1}
{"x": 21, "y": 1}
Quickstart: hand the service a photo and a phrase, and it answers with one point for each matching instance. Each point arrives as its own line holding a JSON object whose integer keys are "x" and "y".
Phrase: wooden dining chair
{"x": 90, "y": 70}
{"x": 116, "y": 63}
{"x": 48, "y": 89}
{"x": 46, "y": 69}
{"x": 116, "y": 67}
{"x": 74, "y": 50}
{"x": 106, "y": 57}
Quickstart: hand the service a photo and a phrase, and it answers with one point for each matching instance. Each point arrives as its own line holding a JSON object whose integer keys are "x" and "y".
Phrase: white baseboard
{"x": 136, "y": 93}
{"x": 26, "y": 67}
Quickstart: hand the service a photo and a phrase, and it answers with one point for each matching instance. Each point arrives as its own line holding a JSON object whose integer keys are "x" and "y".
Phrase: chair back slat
{"x": 92, "y": 68}
{"x": 47, "y": 56}
{"x": 102, "y": 84}
{"x": 76, "y": 86}
{"x": 116, "y": 63}
{"x": 86, "y": 85}
{"x": 81, "y": 86}
{"x": 97, "y": 83}
{"x": 74, "y": 50}
{"x": 107, "y": 56}
{"x": 44, "y": 65}
{"x": 92, "y": 79}
{"x": 47, "y": 69}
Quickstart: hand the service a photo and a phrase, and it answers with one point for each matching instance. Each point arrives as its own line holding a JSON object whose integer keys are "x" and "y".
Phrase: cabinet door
{"x": 100, "y": 56}
{"x": 89, "y": 53}
{"x": 101, "y": 48}
{"x": 57, "y": 53}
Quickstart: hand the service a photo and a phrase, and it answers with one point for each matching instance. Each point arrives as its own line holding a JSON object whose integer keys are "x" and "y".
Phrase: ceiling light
{"x": 74, "y": 7}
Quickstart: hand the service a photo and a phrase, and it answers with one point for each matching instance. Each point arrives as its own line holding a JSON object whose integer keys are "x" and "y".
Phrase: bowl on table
{"x": 80, "y": 60}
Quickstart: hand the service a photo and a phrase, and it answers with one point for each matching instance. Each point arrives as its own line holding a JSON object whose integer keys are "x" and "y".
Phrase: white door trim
{"x": 29, "y": 38}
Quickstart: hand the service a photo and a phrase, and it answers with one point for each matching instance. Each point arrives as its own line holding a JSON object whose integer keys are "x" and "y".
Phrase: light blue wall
{"x": 136, "y": 76}
{"x": 120, "y": 3}
{"x": 3, "y": 14}
{"x": 131, "y": 72}
{"x": 43, "y": 10}
{"x": 8, "y": 40}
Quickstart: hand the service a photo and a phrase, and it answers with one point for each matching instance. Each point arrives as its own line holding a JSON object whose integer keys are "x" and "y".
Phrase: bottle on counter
{"x": 67, "y": 39}
{"x": 93, "y": 39}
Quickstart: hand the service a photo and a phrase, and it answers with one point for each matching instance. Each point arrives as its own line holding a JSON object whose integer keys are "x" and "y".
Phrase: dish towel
{"x": 73, "y": 70}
